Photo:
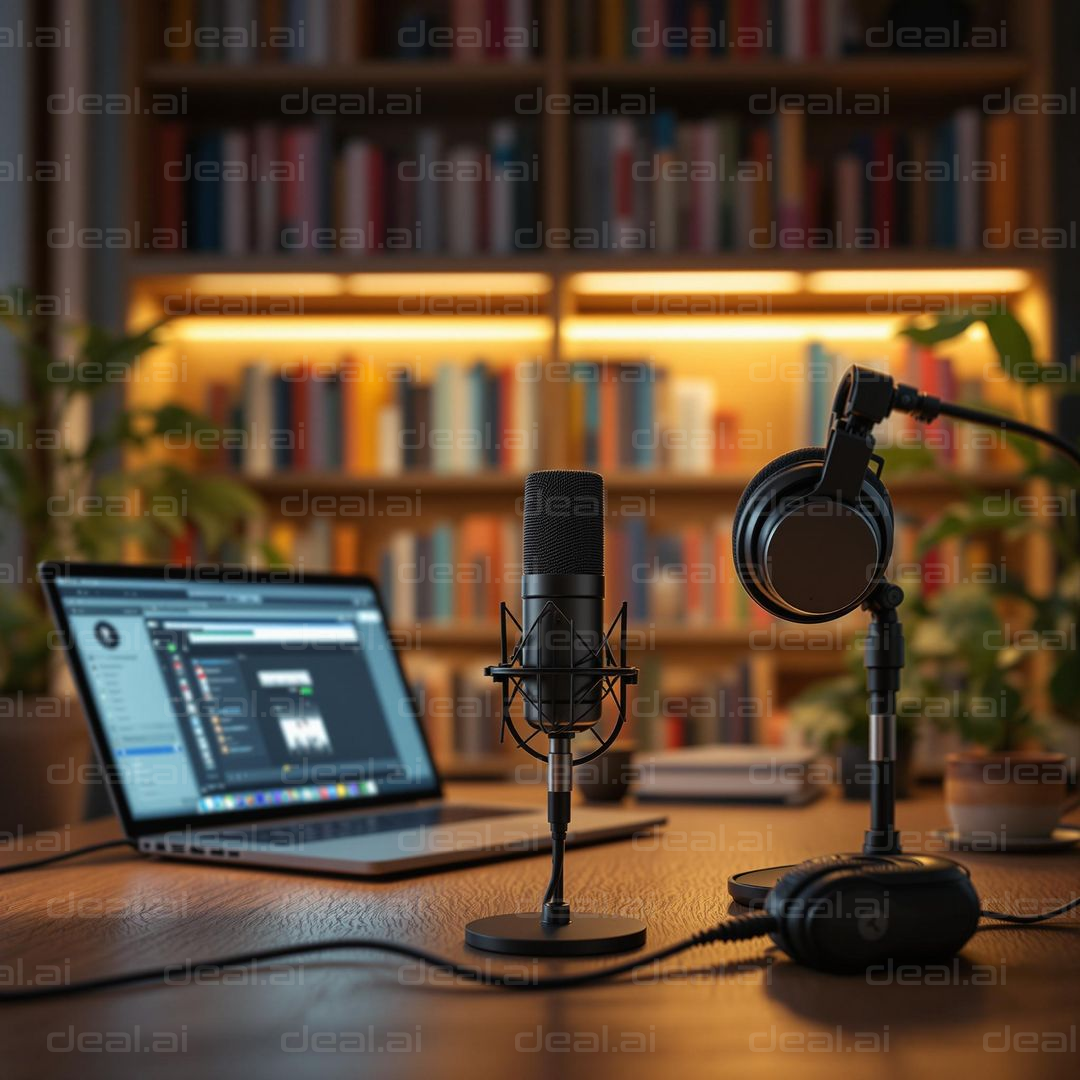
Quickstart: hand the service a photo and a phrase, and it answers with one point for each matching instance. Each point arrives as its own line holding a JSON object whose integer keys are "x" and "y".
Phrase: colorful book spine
{"x": 273, "y": 187}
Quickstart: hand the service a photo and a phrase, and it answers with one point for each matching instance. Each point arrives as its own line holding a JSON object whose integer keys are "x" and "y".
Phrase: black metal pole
{"x": 884, "y": 660}
{"x": 556, "y": 911}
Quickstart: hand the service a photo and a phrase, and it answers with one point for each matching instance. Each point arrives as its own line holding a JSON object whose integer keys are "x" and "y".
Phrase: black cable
{"x": 558, "y": 854}
{"x": 65, "y": 855}
{"x": 1004, "y": 916}
{"x": 978, "y": 416}
{"x": 740, "y": 929}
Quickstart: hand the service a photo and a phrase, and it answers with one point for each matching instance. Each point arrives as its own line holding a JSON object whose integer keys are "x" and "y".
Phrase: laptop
{"x": 257, "y": 718}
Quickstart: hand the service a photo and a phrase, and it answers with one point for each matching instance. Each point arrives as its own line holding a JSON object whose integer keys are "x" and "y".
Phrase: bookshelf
{"x": 738, "y": 320}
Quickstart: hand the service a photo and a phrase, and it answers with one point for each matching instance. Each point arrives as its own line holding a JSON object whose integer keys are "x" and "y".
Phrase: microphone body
{"x": 562, "y": 591}
{"x": 565, "y": 614}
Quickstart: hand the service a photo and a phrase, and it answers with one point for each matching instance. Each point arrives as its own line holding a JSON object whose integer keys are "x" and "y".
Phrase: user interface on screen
{"x": 218, "y": 697}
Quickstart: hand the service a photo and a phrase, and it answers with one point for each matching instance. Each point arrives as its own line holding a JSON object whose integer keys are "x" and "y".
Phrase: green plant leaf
{"x": 1065, "y": 685}
{"x": 1013, "y": 346}
{"x": 943, "y": 330}
{"x": 105, "y": 358}
{"x": 904, "y": 460}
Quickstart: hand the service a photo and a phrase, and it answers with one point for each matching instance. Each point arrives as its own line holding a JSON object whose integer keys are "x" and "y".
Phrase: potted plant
{"x": 966, "y": 678}
{"x": 1051, "y": 615}
{"x": 65, "y": 503}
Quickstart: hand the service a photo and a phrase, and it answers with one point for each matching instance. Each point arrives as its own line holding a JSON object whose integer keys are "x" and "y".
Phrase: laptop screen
{"x": 216, "y": 696}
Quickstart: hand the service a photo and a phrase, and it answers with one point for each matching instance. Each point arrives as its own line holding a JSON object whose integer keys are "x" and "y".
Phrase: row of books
{"x": 684, "y": 578}
{"x": 957, "y": 447}
{"x": 636, "y": 415}
{"x": 461, "y": 712}
{"x": 670, "y": 708}
{"x": 466, "y": 31}
{"x": 454, "y": 572}
{"x": 303, "y": 188}
{"x": 962, "y": 448}
{"x": 655, "y": 30}
{"x": 352, "y": 418}
{"x": 238, "y": 33}
{"x": 464, "y": 572}
{"x": 461, "y": 571}
{"x": 355, "y": 419}
{"x": 720, "y": 184}
{"x": 674, "y": 706}
{"x": 967, "y": 560}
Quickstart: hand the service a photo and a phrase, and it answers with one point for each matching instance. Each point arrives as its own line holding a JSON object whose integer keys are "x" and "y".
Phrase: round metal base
{"x": 586, "y": 934}
{"x": 752, "y": 886}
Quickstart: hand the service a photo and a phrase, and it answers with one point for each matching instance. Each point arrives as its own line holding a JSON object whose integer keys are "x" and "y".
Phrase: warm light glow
{"x": 687, "y": 283}
{"x": 353, "y": 328}
{"x": 267, "y": 284}
{"x": 584, "y": 330}
{"x": 511, "y": 284}
{"x": 918, "y": 282}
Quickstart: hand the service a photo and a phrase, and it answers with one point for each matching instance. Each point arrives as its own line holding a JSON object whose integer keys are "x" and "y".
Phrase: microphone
{"x": 562, "y": 597}
{"x": 562, "y": 669}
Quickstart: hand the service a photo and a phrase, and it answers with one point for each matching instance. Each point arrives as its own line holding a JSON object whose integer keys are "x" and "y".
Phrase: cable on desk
{"x": 63, "y": 856}
{"x": 1004, "y": 916}
{"x": 740, "y": 929}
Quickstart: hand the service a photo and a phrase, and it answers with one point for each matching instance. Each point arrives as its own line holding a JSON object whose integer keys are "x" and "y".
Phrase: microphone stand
{"x": 553, "y": 931}
{"x": 883, "y": 659}
{"x": 556, "y": 911}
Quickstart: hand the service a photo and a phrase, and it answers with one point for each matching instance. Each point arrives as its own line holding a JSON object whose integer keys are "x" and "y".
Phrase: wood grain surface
{"x": 1007, "y": 1008}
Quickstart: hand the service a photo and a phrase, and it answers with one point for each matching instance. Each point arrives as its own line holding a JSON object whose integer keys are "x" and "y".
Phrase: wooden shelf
{"x": 456, "y": 634}
{"x": 168, "y": 264}
{"x": 438, "y": 486}
{"x": 922, "y": 76}
{"x": 790, "y": 646}
{"x": 366, "y": 75}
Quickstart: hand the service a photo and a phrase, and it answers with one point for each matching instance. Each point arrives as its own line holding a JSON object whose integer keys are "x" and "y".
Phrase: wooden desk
{"x": 1016, "y": 989}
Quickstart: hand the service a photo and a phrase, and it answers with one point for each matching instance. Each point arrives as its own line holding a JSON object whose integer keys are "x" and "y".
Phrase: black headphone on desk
{"x": 845, "y": 913}
{"x": 813, "y": 531}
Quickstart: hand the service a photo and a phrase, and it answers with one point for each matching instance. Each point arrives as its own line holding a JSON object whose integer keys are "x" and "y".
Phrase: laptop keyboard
{"x": 370, "y": 824}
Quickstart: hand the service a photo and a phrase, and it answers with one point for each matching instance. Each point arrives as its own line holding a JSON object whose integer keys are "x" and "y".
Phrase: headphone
{"x": 813, "y": 530}
{"x": 845, "y": 913}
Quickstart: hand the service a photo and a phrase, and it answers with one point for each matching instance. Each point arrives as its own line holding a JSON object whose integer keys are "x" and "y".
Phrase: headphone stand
{"x": 884, "y": 661}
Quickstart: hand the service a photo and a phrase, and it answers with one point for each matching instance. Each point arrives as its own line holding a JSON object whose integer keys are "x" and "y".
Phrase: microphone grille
{"x": 564, "y": 522}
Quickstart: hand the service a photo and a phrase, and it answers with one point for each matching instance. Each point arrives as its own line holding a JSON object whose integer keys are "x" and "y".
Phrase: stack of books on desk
{"x": 731, "y": 774}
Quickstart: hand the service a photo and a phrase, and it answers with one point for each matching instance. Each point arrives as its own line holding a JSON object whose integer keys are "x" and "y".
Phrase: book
{"x": 730, "y": 773}
{"x": 970, "y": 179}
{"x": 236, "y": 192}
{"x": 1003, "y": 191}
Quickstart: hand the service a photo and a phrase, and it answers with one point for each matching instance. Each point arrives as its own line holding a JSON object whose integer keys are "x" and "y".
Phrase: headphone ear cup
{"x": 787, "y": 904}
{"x": 741, "y": 519}
{"x": 794, "y": 457}
{"x": 788, "y": 480}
